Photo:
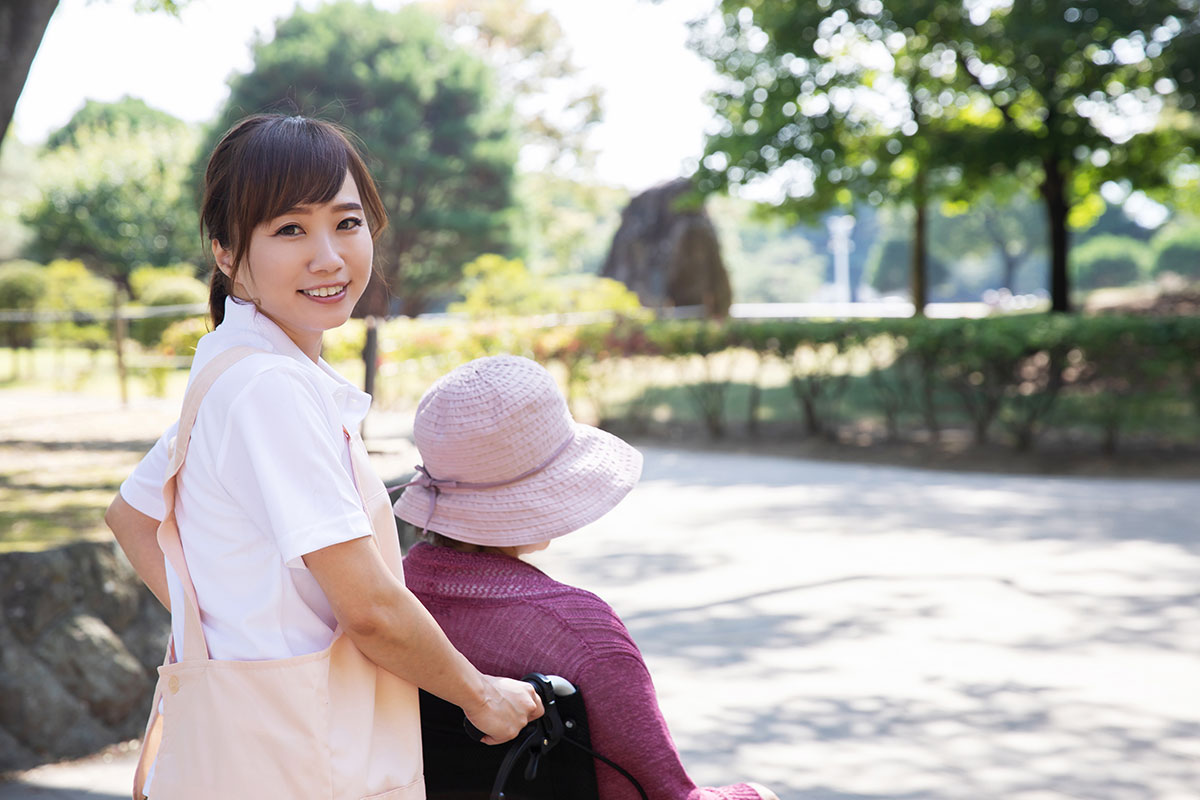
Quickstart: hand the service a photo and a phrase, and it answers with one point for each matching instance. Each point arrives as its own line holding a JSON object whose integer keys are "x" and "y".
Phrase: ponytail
{"x": 218, "y": 290}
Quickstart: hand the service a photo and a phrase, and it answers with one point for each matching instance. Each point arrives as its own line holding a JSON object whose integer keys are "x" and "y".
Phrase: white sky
{"x": 634, "y": 49}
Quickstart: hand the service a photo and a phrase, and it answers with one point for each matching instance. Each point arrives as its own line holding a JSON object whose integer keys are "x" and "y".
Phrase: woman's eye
{"x": 350, "y": 223}
{"x": 289, "y": 230}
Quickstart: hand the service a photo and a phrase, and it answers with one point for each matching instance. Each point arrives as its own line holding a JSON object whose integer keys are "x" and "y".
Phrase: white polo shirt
{"x": 267, "y": 479}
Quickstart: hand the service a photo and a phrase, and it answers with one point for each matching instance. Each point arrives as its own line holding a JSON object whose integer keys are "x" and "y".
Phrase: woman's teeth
{"x": 324, "y": 291}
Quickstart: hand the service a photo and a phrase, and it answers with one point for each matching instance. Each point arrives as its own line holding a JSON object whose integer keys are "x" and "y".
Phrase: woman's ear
{"x": 224, "y": 258}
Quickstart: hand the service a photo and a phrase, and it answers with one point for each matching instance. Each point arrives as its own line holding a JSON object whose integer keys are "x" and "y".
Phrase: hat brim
{"x": 586, "y": 481}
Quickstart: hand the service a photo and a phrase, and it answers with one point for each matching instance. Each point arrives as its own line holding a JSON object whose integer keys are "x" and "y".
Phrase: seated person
{"x": 506, "y": 470}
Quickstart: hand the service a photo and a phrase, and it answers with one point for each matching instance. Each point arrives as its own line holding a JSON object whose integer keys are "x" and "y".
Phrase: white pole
{"x": 840, "y": 229}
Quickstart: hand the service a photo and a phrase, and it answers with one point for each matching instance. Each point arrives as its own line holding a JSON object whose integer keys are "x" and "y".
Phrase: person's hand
{"x": 763, "y": 792}
{"x": 509, "y": 706}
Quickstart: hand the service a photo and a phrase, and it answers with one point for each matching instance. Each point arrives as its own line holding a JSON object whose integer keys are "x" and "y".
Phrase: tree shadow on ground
{"x": 989, "y": 741}
{"x": 868, "y": 499}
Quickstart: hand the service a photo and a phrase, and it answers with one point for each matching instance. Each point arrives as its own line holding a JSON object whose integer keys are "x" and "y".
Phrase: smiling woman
{"x": 306, "y": 268}
{"x": 296, "y": 649}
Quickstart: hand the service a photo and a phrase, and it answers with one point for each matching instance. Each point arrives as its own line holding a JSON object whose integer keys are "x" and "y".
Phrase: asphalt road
{"x": 839, "y": 631}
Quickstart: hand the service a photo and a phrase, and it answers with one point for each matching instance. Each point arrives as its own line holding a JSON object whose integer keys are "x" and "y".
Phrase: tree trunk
{"x": 1054, "y": 192}
{"x": 22, "y": 26}
{"x": 920, "y": 247}
{"x": 373, "y": 306}
{"x": 119, "y": 343}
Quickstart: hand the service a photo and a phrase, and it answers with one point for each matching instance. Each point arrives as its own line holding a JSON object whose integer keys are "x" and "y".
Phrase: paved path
{"x": 838, "y": 631}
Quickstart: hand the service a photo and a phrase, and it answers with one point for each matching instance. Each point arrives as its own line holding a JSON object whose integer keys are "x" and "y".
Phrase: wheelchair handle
{"x": 548, "y": 687}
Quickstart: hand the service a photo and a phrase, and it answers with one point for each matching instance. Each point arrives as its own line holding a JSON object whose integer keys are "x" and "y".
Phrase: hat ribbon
{"x": 438, "y": 485}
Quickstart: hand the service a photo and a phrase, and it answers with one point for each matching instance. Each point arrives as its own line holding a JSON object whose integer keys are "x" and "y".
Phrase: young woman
{"x": 297, "y": 649}
{"x": 505, "y": 471}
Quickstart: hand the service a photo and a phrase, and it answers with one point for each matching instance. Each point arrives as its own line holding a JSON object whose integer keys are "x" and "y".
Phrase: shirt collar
{"x": 245, "y": 325}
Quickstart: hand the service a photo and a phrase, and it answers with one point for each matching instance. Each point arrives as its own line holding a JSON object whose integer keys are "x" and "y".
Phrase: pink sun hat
{"x": 505, "y": 464}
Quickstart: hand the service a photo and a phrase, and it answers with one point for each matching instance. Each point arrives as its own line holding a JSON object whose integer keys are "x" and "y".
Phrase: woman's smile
{"x": 326, "y": 294}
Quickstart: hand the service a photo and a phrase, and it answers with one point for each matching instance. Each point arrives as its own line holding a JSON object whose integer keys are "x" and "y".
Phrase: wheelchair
{"x": 550, "y": 759}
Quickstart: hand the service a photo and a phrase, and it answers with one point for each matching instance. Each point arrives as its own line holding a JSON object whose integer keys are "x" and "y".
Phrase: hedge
{"x": 1015, "y": 375}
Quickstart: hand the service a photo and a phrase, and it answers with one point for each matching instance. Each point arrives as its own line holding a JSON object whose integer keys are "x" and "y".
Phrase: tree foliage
{"x": 127, "y": 115}
{"x": 1062, "y": 94}
{"x": 438, "y": 141}
{"x": 22, "y": 285}
{"x": 71, "y": 287}
{"x": 116, "y": 197}
{"x": 554, "y": 107}
{"x": 496, "y": 286}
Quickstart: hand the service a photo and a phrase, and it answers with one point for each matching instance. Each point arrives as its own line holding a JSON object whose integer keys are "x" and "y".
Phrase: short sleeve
{"x": 282, "y": 460}
{"x": 143, "y": 488}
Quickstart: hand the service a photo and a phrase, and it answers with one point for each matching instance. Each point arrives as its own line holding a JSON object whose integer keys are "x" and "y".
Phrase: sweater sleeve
{"x": 627, "y": 727}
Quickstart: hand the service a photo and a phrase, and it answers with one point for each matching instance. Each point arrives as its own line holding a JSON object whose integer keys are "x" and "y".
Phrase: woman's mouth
{"x": 326, "y": 292}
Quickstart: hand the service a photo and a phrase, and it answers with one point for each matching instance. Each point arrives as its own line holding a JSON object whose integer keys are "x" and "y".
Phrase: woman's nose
{"x": 325, "y": 256}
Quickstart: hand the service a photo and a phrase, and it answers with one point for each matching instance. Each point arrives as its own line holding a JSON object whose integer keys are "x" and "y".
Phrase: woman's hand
{"x": 508, "y": 706}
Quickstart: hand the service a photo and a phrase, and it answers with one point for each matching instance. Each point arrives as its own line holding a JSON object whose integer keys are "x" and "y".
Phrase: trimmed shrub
{"x": 22, "y": 287}
{"x": 170, "y": 289}
{"x": 1105, "y": 261}
{"x": 1178, "y": 252}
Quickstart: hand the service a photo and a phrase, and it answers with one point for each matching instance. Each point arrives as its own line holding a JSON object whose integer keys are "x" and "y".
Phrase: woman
{"x": 296, "y": 647}
{"x": 505, "y": 471}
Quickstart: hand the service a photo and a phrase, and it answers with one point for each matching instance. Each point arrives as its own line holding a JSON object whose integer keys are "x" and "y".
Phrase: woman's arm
{"x": 137, "y": 535}
{"x": 391, "y": 627}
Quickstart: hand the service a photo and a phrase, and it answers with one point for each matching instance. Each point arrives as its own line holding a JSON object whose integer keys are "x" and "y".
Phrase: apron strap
{"x": 195, "y": 648}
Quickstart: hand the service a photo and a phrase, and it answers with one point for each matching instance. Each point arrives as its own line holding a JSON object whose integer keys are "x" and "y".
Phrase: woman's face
{"x": 307, "y": 267}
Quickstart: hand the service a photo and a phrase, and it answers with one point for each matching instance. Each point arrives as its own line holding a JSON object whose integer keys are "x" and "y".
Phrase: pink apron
{"x": 330, "y": 724}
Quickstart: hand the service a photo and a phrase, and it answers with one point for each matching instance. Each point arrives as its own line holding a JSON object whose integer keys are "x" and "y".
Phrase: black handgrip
{"x": 541, "y": 684}
{"x": 472, "y": 731}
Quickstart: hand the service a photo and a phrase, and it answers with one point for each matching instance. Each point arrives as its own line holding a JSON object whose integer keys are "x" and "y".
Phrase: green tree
{"x": 438, "y": 141}
{"x": 1059, "y": 93}
{"x": 22, "y": 285}
{"x": 569, "y": 221}
{"x": 117, "y": 198}
{"x": 555, "y": 109}
{"x": 1087, "y": 93}
{"x": 70, "y": 287}
{"x": 18, "y": 170}
{"x": 127, "y": 115}
{"x": 838, "y": 102}
{"x": 1003, "y": 222}
{"x": 497, "y": 286}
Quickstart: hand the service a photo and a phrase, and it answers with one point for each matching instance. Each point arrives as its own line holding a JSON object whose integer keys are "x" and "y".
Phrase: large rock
{"x": 669, "y": 253}
{"x": 92, "y": 663}
{"x": 35, "y": 590}
{"x": 80, "y": 640}
{"x": 146, "y": 637}
{"x": 105, "y": 583}
{"x": 38, "y": 711}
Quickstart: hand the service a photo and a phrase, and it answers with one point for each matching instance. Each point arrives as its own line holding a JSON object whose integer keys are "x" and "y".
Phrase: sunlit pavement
{"x": 837, "y": 631}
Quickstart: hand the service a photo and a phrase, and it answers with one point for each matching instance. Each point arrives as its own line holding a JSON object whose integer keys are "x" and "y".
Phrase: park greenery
{"x": 845, "y": 101}
{"x": 972, "y": 143}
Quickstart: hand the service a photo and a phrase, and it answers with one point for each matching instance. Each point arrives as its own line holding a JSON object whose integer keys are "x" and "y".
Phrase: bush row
{"x": 1015, "y": 376}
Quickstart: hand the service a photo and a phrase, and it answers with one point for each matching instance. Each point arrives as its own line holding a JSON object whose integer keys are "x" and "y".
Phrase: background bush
{"x": 1109, "y": 261}
{"x": 22, "y": 287}
{"x": 1178, "y": 252}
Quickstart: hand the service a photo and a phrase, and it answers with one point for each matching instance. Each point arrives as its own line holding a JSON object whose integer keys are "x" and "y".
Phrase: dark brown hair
{"x": 266, "y": 164}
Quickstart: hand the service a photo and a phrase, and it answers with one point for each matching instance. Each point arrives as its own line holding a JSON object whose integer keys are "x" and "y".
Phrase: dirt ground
{"x": 63, "y": 456}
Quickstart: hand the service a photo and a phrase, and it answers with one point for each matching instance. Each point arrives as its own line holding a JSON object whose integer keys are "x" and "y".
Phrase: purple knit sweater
{"x": 508, "y": 618}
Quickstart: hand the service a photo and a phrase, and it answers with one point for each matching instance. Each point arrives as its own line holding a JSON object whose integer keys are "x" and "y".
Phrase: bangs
{"x": 289, "y": 163}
